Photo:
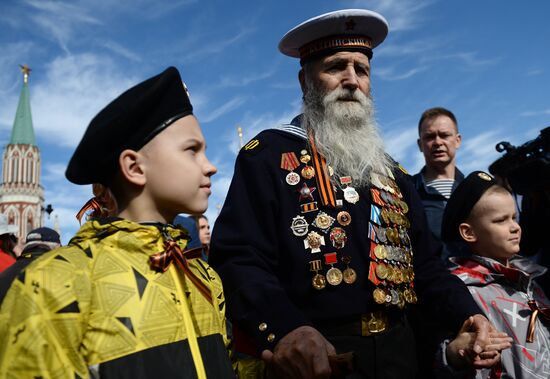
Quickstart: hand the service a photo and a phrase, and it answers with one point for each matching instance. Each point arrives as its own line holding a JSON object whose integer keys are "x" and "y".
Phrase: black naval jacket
{"x": 265, "y": 268}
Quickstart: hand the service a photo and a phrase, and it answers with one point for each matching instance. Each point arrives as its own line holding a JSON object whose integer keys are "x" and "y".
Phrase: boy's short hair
{"x": 432, "y": 113}
{"x": 128, "y": 122}
{"x": 462, "y": 201}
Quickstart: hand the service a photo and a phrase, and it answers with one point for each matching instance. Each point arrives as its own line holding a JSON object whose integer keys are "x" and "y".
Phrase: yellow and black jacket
{"x": 95, "y": 308}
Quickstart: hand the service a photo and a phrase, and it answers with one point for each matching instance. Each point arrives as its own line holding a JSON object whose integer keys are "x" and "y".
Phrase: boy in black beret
{"x": 125, "y": 298}
{"x": 482, "y": 214}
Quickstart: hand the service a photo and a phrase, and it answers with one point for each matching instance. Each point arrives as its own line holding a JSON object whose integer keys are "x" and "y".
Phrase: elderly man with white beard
{"x": 322, "y": 243}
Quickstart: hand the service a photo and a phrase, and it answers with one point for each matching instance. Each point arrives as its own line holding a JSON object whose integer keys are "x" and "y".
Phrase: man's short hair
{"x": 430, "y": 114}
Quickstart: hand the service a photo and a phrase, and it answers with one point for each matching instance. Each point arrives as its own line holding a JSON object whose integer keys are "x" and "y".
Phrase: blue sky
{"x": 487, "y": 61}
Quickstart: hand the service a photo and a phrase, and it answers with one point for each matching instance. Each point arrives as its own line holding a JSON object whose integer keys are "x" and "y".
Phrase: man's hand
{"x": 302, "y": 353}
{"x": 460, "y": 351}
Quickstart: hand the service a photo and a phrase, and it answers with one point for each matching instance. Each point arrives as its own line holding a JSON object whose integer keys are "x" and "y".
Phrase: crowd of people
{"x": 327, "y": 260}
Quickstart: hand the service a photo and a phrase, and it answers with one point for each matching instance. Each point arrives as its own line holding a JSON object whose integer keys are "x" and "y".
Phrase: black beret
{"x": 463, "y": 199}
{"x": 128, "y": 122}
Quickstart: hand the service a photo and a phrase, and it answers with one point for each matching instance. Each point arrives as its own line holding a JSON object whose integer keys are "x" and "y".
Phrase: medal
{"x": 381, "y": 271}
{"x": 379, "y": 295}
{"x": 318, "y": 282}
{"x": 350, "y": 276}
{"x": 351, "y": 195}
{"x": 299, "y": 226}
{"x": 343, "y": 218}
{"x": 380, "y": 252}
{"x": 381, "y": 234}
{"x": 289, "y": 162}
{"x": 404, "y": 237}
{"x": 314, "y": 241}
{"x": 338, "y": 237}
{"x": 305, "y": 157}
{"x": 306, "y": 192}
{"x": 308, "y": 172}
{"x": 334, "y": 275}
{"x": 292, "y": 178}
{"x": 323, "y": 221}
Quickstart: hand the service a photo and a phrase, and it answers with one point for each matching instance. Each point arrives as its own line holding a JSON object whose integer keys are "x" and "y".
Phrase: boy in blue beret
{"x": 125, "y": 298}
{"x": 482, "y": 214}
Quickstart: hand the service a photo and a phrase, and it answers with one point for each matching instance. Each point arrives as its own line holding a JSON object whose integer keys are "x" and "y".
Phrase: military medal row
{"x": 390, "y": 235}
{"x": 393, "y": 273}
{"x": 334, "y": 276}
{"x": 394, "y": 296}
{"x": 392, "y": 253}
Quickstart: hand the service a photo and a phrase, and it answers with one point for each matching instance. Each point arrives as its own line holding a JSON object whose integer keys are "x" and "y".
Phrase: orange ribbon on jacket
{"x": 322, "y": 176}
{"x": 535, "y": 310}
{"x": 161, "y": 261}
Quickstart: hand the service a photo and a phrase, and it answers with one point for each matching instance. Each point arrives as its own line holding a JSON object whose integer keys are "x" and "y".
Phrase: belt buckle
{"x": 374, "y": 323}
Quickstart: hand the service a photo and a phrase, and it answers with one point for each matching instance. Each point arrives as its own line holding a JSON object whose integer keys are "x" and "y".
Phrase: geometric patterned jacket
{"x": 95, "y": 308}
{"x": 502, "y": 293}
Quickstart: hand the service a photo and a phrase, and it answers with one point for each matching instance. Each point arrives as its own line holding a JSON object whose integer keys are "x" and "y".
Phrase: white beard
{"x": 346, "y": 133}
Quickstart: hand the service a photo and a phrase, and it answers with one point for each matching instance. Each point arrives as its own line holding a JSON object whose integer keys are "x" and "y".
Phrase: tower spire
{"x": 23, "y": 131}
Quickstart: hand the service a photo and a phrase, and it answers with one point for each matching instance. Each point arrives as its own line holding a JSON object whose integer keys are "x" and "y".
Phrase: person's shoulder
{"x": 273, "y": 140}
{"x": 65, "y": 258}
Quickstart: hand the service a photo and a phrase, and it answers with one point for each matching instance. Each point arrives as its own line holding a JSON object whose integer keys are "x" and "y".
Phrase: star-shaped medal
{"x": 306, "y": 192}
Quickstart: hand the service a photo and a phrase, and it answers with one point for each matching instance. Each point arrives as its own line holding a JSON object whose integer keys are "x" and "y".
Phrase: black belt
{"x": 369, "y": 324}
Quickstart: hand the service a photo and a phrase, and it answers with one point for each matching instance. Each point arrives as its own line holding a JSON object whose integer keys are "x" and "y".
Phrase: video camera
{"x": 526, "y": 167}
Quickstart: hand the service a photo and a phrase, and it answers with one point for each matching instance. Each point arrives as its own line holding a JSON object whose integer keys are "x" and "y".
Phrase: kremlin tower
{"x": 21, "y": 194}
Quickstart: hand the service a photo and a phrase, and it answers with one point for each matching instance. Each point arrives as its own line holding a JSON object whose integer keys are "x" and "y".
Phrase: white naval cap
{"x": 347, "y": 29}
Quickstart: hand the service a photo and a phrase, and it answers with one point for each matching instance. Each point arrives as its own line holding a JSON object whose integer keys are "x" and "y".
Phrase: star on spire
{"x": 26, "y": 70}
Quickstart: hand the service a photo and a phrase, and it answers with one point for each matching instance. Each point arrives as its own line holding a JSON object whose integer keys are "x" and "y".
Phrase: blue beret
{"x": 128, "y": 122}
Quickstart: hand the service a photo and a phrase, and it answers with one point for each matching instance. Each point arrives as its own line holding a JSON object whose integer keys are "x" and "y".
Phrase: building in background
{"x": 21, "y": 194}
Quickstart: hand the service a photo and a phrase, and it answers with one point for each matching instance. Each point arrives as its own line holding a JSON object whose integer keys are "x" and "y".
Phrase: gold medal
{"x": 343, "y": 218}
{"x": 350, "y": 276}
{"x": 381, "y": 271}
{"x": 380, "y": 252}
{"x": 391, "y": 274}
{"x": 318, "y": 282}
{"x": 334, "y": 276}
{"x": 308, "y": 172}
{"x": 305, "y": 157}
{"x": 323, "y": 221}
{"x": 379, "y": 296}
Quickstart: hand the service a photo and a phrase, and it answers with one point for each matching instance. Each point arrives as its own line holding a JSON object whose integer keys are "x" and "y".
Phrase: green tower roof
{"x": 23, "y": 132}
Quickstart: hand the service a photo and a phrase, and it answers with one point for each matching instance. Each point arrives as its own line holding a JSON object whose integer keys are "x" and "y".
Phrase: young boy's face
{"x": 177, "y": 169}
{"x": 496, "y": 233}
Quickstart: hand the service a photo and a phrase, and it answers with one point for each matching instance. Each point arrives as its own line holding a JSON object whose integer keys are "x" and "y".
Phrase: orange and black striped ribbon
{"x": 162, "y": 261}
{"x": 324, "y": 186}
{"x": 535, "y": 311}
{"x": 92, "y": 205}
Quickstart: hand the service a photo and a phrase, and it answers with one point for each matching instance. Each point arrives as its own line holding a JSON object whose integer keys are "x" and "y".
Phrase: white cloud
{"x": 121, "y": 50}
{"x": 229, "y": 106}
{"x": 542, "y": 112}
{"x": 402, "y": 15}
{"x": 244, "y": 80}
{"x": 75, "y": 89}
{"x": 216, "y": 46}
{"x": 61, "y": 20}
